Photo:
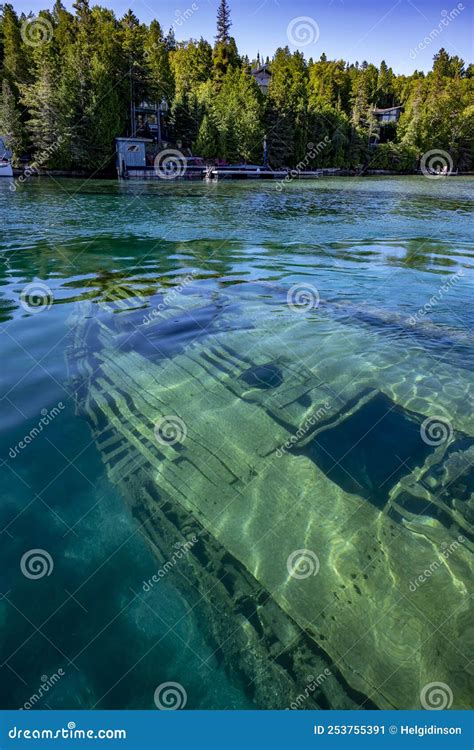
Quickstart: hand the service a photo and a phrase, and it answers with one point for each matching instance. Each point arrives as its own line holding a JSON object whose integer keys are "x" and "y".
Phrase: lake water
{"x": 237, "y": 444}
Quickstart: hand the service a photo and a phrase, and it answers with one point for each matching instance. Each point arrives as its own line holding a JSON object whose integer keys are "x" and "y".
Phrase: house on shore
{"x": 262, "y": 75}
{"x": 384, "y": 124}
{"x": 390, "y": 114}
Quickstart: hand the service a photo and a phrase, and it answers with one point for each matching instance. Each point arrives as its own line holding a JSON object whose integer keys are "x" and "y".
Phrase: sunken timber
{"x": 386, "y": 610}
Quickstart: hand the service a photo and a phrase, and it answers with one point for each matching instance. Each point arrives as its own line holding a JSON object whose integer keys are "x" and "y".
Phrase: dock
{"x": 244, "y": 172}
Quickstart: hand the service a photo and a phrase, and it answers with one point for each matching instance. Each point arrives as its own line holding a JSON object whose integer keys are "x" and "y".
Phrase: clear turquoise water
{"x": 376, "y": 250}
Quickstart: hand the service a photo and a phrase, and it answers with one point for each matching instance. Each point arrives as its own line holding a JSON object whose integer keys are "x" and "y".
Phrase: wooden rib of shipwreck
{"x": 249, "y": 481}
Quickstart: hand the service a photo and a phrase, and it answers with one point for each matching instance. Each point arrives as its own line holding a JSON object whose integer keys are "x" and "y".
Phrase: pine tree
{"x": 14, "y": 63}
{"x": 42, "y": 101}
{"x": 207, "y": 139}
{"x": 185, "y": 119}
{"x": 66, "y": 100}
{"x": 159, "y": 75}
{"x": 11, "y": 127}
{"x": 385, "y": 93}
{"x": 223, "y": 23}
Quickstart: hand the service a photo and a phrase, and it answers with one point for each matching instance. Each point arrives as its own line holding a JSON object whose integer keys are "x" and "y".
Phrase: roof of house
{"x": 388, "y": 109}
{"x": 261, "y": 69}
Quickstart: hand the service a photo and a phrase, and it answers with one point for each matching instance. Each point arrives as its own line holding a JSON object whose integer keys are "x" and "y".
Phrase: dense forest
{"x": 67, "y": 80}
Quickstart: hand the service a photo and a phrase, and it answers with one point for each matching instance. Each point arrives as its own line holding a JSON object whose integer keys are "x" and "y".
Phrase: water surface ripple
{"x": 286, "y": 540}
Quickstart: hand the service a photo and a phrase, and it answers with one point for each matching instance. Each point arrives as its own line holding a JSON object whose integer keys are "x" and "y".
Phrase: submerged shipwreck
{"x": 325, "y": 505}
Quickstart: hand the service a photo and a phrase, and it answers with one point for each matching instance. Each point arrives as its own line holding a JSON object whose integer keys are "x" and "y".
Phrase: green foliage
{"x": 236, "y": 111}
{"x": 191, "y": 65}
{"x": 11, "y": 127}
{"x": 223, "y": 23}
{"x": 394, "y": 157}
{"x": 64, "y": 101}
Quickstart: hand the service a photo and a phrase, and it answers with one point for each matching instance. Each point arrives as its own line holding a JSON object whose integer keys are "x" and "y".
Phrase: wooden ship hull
{"x": 249, "y": 479}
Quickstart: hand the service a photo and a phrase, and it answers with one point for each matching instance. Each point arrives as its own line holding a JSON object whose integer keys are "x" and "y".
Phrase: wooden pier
{"x": 265, "y": 173}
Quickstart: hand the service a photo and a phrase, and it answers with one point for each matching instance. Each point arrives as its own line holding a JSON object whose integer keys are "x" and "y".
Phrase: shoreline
{"x": 18, "y": 173}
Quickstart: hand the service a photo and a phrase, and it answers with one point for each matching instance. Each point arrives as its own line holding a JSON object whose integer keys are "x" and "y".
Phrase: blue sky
{"x": 395, "y": 30}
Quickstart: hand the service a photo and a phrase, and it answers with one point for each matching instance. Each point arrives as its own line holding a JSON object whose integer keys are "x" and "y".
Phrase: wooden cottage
{"x": 390, "y": 114}
{"x": 262, "y": 76}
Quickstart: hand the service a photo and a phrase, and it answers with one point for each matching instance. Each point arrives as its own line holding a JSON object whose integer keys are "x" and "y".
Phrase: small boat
{"x": 6, "y": 169}
{"x": 445, "y": 172}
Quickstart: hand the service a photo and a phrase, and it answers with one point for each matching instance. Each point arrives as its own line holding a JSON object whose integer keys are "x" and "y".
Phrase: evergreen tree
{"x": 159, "y": 74}
{"x": 14, "y": 61}
{"x": 385, "y": 91}
{"x": 42, "y": 102}
{"x": 64, "y": 101}
{"x": 223, "y": 23}
{"x": 11, "y": 127}
{"x": 185, "y": 118}
{"x": 208, "y": 137}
